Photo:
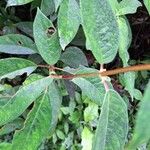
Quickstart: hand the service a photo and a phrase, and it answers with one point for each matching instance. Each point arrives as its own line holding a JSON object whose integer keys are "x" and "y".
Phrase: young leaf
{"x": 101, "y": 29}
{"x": 86, "y": 139}
{"x": 17, "y": 44}
{"x": 22, "y": 99}
{"x": 141, "y": 133}
{"x": 147, "y": 5}
{"x": 74, "y": 57}
{"x": 128, "y": 7}
{"x": 36, "y": 126}
{"x": 91, "y": 112}
{"x": 17, "y": 2}
{"x": 11, "y": 67}
{"x": 112, "y": 127}
{"x": 68, "y": 21}
{"x": 46, "y": 38}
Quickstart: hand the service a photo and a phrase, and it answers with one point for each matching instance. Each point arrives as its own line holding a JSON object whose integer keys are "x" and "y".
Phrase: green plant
{"x": 49, "y": 85}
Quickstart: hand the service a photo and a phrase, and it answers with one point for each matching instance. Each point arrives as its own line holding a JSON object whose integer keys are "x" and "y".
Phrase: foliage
{"x": 46, "y": 99}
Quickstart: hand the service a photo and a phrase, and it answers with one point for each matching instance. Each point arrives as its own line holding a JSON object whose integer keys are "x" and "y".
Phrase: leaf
{"x": 86, "y": 139}
{"x": 129, "y": 78}
{"x": 17, "y": 44}
{"x": 141, "y": 132}
{"x": 17, "y": 2}
{"x": 22, "y": 99}
{"x": 57, "y": 4}
{"x": 112, "y": 127}
{"x": 46, "y": 38}
{"x": 128, "y": 7}
{"x": 68, "y": 21}
{"x": 5, "y": 146}
{"x": 91, "y": 87}
{"x": 147, "y": 5}
{"x": 101, "y": 29}
{"x": 10, "y": 127}
{"x": 125, "y": 39}
{"x": 47, "y": 7}
{"x": 91, "y": 112}
{"x": 55, "y": 102}
{"x": 25, "y": 27}
{"x": 74, "y": 57}
{"x": 36, "y": 126}
{"x": 11, "y": 67}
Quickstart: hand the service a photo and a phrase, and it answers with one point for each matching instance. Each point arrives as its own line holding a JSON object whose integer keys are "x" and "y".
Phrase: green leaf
{"x": 91, "y": 112}
{"x": 125, "y": 38}
{"x": 36, "y": 126}
{"x": 22, "y": 99}
{"x": 141, "y": 132}
{"x": 128, "y": 7}
{"x": 25, "y": 27}
{"x": 5, "y": 146}
{"x": 74, "y": 57}
{"x": 8, "y": 128}
{"x": 57, "y": 4}
{"x": 11, "y": 67}
{"x": 112, "y": 127}
{"x": 147, "y": 4}
{"x": 55, "y": 102}
{"x": 47, "y": 7}
{"x": 101, "y": 29}
{"x": 91, "y": 87}
{"x": 46, "y": 38}
{"x": 68, "y": 21}
{"x": 129, "y": 79}
{"x": 17, "y": 2}
{"x": 17, "y": 44}
{"x": 86, "y": 139}
{"x": 138, "y": 94}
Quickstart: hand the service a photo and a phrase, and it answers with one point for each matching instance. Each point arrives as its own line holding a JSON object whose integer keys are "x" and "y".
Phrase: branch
{"x": 104, "y": 73}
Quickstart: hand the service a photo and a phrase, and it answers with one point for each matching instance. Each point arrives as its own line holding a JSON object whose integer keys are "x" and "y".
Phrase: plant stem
{"x": 104, "y": 73}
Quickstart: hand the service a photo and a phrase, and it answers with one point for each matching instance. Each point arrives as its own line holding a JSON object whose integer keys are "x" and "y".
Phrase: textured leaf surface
{"x": 11, "y": 67}
{"x": 16, "y": 44}
{"x": 22, "y": 99}
{"x": 47, "y": 7}
{"x": 128, "y": 7}
{"x": 112, "y": 127}
{"x": 36, "y": 126}
{"x": 147, "y": 4}
{"x": 101, "y": 29}
{"x": 17, "y": 2}
{"x": 55, "y": 102}
{"x": 141, "y": 133}
{"x": 68, "y": 21}
{"x": 125, "y": 38}
{"x": 46, "y": 38}
{"x": 74, "y": 57}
